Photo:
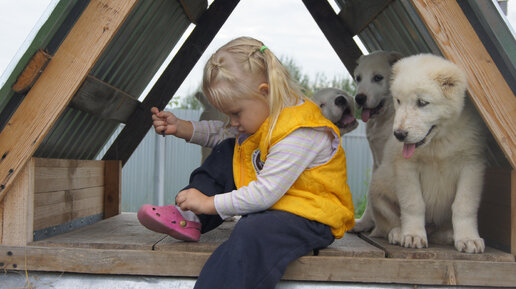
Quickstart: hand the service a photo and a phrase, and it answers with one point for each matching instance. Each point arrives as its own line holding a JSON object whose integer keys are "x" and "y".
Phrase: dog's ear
{"x": 452, "y": 80}
{"x": 394, "y": 56}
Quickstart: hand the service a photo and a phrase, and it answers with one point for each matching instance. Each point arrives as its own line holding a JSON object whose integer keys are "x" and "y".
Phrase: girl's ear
{"x": 264, "y": 89}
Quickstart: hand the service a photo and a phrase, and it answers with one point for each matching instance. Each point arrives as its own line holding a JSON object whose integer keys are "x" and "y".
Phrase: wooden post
{"x": 17, "y": 216}
{"x": 57, "y": 84}
{"x": 513, "y": 212}
{"x": 112, "y": 188}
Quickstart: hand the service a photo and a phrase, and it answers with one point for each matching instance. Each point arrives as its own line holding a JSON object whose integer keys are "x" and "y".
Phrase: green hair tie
{"x": 263, "y": 48}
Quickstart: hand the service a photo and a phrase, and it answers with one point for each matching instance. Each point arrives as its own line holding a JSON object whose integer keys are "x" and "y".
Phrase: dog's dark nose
{"x": 400, "y": 134}
{"x": 340, "y": 101}
{"x": 360, "y": 98}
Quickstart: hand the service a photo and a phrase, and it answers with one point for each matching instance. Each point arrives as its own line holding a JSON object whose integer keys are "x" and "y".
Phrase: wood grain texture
{"x": 18, "y": 209}
{"x": 112, "y": 188}
{"x": 120, "y": 245}
{"x": 459, "y": 43}
{"x": 308, "y": 268}
{"x": 513, "y": 212}
{"x": 57, "y": 84}
{"x": 439, "y": 252}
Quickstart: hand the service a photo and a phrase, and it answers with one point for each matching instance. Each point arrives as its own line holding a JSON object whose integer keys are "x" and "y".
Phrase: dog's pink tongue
{"x": 366, "y": 113}
{"x": 348, "y": 119}
{"x": 408, "y": 150}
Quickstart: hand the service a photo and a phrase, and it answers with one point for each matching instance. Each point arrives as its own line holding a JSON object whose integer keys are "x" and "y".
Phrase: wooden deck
{"x": 120, "y": 245}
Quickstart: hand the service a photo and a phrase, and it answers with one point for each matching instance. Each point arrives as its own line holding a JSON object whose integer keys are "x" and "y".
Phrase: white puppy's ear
{"x": 452, "y": 81}
{"x": 394, "y": 56}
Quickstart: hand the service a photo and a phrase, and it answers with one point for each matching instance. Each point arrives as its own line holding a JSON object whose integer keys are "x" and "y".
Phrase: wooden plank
{"x": 357, "y": 14}
{"x": 120, "y": 232}
{"x": 207, "y": 244}
{"x": 513, "y": 212}
{"x": 193, "y": 9}
{"x": 104, "y": 100}
{"x": 57, "y": 84}
{"x": 50, "y": 179}
{"x": 159, "y": 96}
{"x": 112, "y": 188}
{"x": 308, "y": 268}
{"x": 18, "y": 209}
{"x": 56, "y": 208}
{"x": 439, "y": 252}
{"x": 459, "y": 43}
{"x": 66, "y": 163}
{"x": 335, "y": 31}
{"x": 350, "y": 245}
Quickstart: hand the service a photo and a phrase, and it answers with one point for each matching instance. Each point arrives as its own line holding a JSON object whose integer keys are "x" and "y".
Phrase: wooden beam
{"x": 513, "y": 212}
{"x": 459, "y": 43}
{"x": 335, "y": 31}
{"x": 193, "y": 9}
{"x": 104, "y": 100}
{"x": 57, "y": 84}
{"x": 357, "y": 14}
{"x": 307, "y": 268}
{"x": 18, "y": 210}
{"x": 140, "y": 121}
{"x": 112, "y": 188}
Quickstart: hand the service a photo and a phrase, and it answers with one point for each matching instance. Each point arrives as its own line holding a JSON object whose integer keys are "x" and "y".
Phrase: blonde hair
{"x": 236, "y": 70}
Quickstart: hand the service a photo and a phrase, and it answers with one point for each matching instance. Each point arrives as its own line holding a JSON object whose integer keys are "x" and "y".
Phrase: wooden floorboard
{"x": 439, "y": 252}
{"x": 120, "y": 232}
{"x": 120, "y": 245}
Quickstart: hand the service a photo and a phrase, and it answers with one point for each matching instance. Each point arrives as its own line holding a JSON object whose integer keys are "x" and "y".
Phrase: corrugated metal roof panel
{"x": 398, "y": 28}
{"x": 130, "y": 61}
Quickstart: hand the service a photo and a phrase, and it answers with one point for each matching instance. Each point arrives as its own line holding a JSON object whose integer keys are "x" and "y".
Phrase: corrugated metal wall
{"x": 129, "y": 62}
{"x": 139, "y": 175}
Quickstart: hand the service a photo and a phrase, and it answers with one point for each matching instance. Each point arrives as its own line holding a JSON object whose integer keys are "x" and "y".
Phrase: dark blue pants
{"x": 259, "y": 250}
{"x": 214, "y": 176}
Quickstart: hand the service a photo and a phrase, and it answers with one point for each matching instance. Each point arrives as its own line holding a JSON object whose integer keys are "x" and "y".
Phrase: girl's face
{"x": 247, "y": 114}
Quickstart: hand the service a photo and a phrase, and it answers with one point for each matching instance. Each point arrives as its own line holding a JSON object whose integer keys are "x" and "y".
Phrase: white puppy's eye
{"x": 377, "y": 78}
{"x": 321, "y": 105}
{"x": 421, "y": 103}
{"x": 358, "y": 78}
{"x": 398, "y": 101}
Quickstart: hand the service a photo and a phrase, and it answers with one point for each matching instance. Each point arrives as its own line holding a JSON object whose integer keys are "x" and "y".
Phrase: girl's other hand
{"x": 195, "y": 201}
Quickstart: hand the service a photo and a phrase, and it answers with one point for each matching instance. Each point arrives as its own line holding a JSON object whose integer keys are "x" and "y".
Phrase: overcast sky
{"x": 296, "y": 35}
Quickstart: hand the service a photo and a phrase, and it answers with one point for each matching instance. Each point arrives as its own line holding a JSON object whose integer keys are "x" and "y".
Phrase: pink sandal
{"x": 168, "y": 220}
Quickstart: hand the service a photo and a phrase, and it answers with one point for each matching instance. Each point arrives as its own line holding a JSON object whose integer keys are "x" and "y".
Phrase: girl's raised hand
{"x": 164, "y": 121}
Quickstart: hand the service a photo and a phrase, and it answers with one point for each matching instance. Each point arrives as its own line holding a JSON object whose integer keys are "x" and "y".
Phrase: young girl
{"x": 289, "y": 169}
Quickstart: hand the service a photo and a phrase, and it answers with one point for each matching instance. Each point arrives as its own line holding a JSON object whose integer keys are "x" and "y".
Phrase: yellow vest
{"x": 320, "y": 193}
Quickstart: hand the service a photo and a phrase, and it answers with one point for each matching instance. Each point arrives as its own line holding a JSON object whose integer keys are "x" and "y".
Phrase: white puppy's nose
{"x": 401, "y": 135}
{"x": 361, "y": 98}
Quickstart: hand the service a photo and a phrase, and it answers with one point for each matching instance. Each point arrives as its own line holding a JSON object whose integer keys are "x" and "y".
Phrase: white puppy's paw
{"x": 395, "y": 236}
{"x": 362, "y": 226}
{"x": 414, "y": 239}
{"x": 470, "y": 245}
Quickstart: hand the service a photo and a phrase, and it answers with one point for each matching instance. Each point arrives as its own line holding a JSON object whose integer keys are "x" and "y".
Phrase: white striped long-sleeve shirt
{"x": 302, "y": 149}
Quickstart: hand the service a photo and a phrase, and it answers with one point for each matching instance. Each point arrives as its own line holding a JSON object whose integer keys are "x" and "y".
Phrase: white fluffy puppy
{"x": 337, "y": 106}
{"x": 432, "y": 171}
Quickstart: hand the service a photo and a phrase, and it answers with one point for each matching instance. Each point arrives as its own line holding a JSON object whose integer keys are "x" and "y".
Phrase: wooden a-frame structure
{"x": 27, "y": 183}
